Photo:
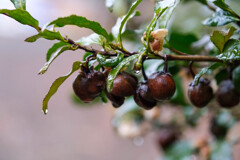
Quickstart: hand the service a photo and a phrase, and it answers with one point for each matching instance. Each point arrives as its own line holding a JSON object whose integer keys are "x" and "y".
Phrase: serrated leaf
{"x": 204, "y": 71}
{"x": 221, "y": 4}
{"x": 114, "y": 72}
{"x": 220, "y": 18}
{"x": 56, "y": 84}
{"x": 54, "y": 49}
{"x": 91, "y": 39}
{"x": 219, "y": 38}
{"x": 171, "y": 4}
{"x": 21, "y": 16}
{"x": 80, "y": 22}
{"x": 19, "y": 4}
{"x": 50, "y": 35}
{"x": 236, "y": 78}
{"x": 109, "y": 62}
{"x": 126, "y": 18}
{"x": 56, "y": 54}
{"x": 109, "y": 4}
{"x": 231, "y": 51}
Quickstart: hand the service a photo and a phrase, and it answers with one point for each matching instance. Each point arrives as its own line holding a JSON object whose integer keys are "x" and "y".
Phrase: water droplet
{"x": 45, "y": 111}
{"x": 137, "y": 72}
{"x": 138, "y": 141}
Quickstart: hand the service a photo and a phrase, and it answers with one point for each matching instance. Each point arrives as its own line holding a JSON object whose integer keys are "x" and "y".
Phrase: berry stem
{"x": 143, "y": 70}
{"x": 190, "y": 69}
{"x": 165, "y": 69}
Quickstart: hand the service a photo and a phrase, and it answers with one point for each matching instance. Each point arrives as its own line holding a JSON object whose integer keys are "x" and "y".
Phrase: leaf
{"x": 219, "y": 38}
{"x": 109, "y": 4}
{"x": 236, "y": 78}
{"x": 48, "y": 63}
{"x": 21, "y": 16}
{"x": 220, "y": 18}
{"x": 56, "y": 84}
{"x": 19, "y": 4}
{"x": 114, "y": 72}
{"x": 221, "y": 151}
{"x": 221, "y": 4}
{"x": 80, "y": 22}
{"x": 91, "y": 39}
{"x": 171, "y": 5}
{"x": 50, "y": 35}
{"x": 204, "y": 71}
{"x": 110, "y": 62}
{"x": 54, "y": 49}
{"x": 126, "y": 18}
{"x": 104, "y": 97}
{"x": 231, "y": 51}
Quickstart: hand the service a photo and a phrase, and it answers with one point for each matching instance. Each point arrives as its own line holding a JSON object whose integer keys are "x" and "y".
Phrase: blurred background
{"x": 68, "y": 131}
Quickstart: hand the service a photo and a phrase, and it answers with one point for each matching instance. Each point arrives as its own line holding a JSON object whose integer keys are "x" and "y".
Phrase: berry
{"x": 226, "y": 94}
{"x": 143, "y": 97}
{"x": 116, "y": 101}
{"x": 124, "y": 85}
{"x": 200, "y": 94}
{"x": 167, "y": 136}
{"x": 89, "y": 84}
{"x": 161, "y": 85}
{"x": 217, "y": 129}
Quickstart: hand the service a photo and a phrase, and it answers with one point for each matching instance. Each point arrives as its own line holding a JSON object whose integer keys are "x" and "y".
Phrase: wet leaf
{"x": 231, "y": 51}
{"x": 54, "y": 49}
{"x": 110, "y": 62}
{"x": 19, "y": 4}
{"x": 50, "y": 35}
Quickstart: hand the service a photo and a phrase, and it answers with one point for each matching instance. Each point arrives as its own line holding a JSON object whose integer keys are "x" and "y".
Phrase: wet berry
{"x": 115, "y": 100}
{"x": 161, "y": 85}
{"x": 200, "y": 94}
{"x": 143, "y": 97}
{"x": 167, "y": 136}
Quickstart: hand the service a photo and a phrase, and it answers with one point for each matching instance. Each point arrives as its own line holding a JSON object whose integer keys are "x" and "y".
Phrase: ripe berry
{"x": 124, "y": 85}
{"x": 167, "y": 136}
{"x": 161, "y": 85}
{"x": 218, "y": 130}
{"x": 226, "y": 94}
{"x": 143, "y": 97}
{"x": 116, "y": 101}
{"x": 89, "y": 84}
{"x": 200, "y": 94}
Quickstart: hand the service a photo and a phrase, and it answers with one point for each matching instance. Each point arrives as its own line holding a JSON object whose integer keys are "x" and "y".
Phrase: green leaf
{"x": 21, "y": 16}
{"x": 109, "y": 4}
{"x": 56, "y": 84}
{"x": 114, "y": 72}
{"x": 204, "y": 71}
{"x": 221, "y": 151}
{"x": 19, "y": 4}
{"x": 126, "y": 18}
{"x": 54, "y": 49}
{"x": 80, "y": 22}
{"x": 56, "y": 54}
{"x": 236, "y": 78}
{"x": 104, "y": 97}
{"x": 221, "y": 4}
{"x": 109, "y": 62}
{"x": 50, "y": 35}
{"x": 231, "y": 51}
{"x": 219, "y": 38}
{"x": 220, "y": 18}
{"x": 91, "y": 39}
{"x": 171, "y": 5}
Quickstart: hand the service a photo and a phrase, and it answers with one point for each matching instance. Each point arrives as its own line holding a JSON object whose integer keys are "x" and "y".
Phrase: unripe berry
{"x": 143, "y": 97}
{"x": 200, "y": 94}
{"x": 226, "y": 94}
{"x": 124, "y": 85}
{"x": 161, "y": 86}
{"x": 89, "y": 84}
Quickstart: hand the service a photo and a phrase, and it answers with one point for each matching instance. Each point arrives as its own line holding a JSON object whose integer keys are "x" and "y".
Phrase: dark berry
{"x": 226, "y": 94}
{"x": 167, "y": 136}
{"x": 116, "y": 101}
{"x": 89, "y": 84}
{"x": 161, "y": 85}
{"x": 143, "y": 97}
{"x": 200, "y": 94}
{"x": 217, "y": 129}
{"x": 124, "y": 85}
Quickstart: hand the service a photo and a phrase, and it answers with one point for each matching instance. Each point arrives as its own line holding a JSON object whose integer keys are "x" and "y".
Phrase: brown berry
{"x": 124, "y": 85}
{"x": 161, "y": 85}
{"x": 143, "y": 97}
{"x": 201, "y": 94}
{"x": 226, "y": 94}
{"x": 167, "y": 136}
{"x": 116, "y": 101}
{"x": 89, "y": 84}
